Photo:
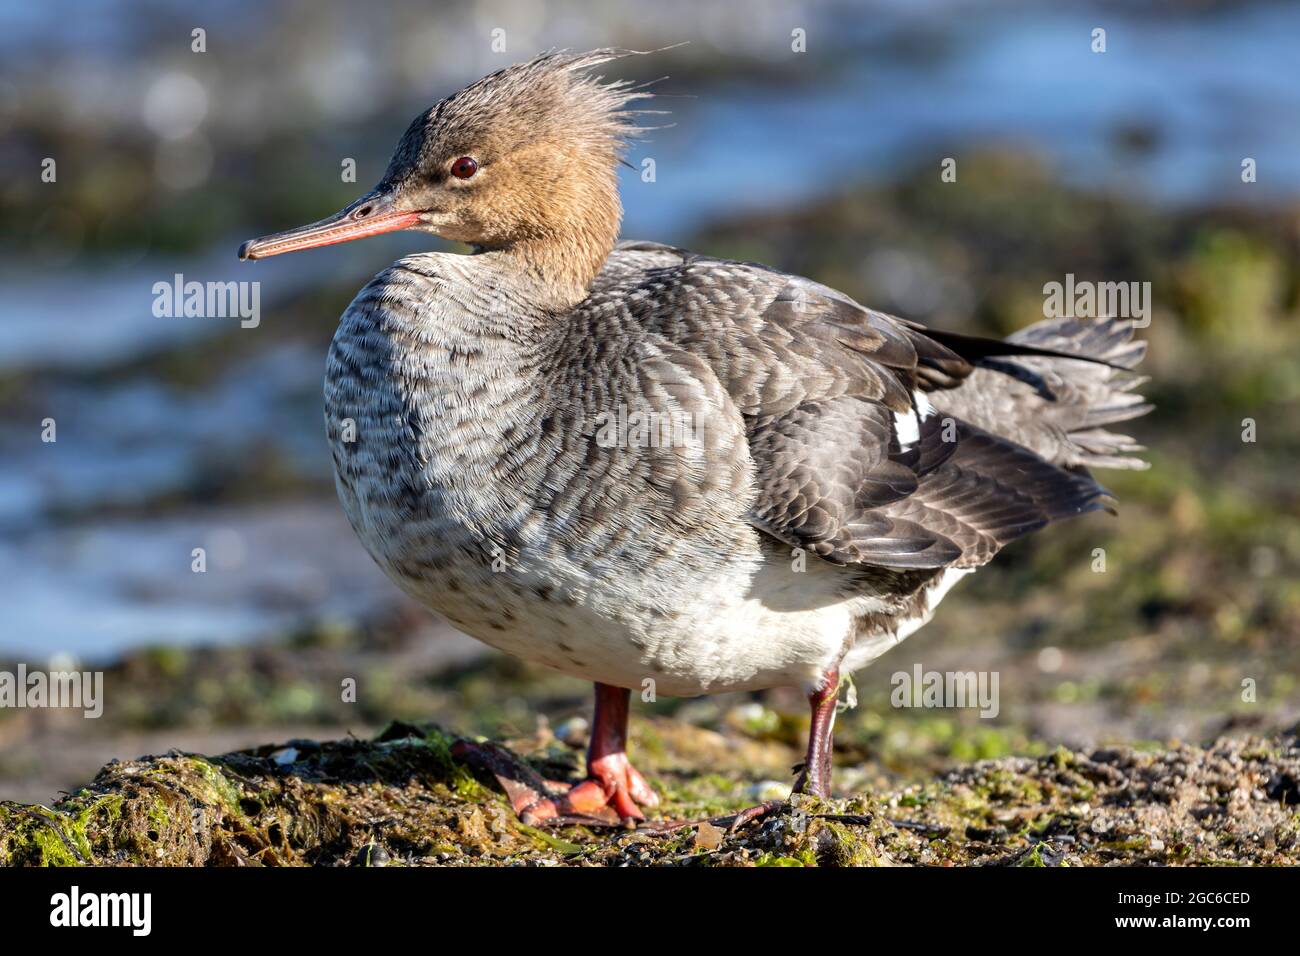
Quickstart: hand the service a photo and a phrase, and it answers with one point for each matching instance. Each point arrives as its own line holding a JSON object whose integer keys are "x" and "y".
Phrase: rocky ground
{"x": 403, "y": 799}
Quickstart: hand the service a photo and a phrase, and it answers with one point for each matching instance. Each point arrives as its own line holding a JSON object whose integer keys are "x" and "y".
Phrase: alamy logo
{"x": 80, "y": 689}
{"x": 75, "y": 908}
{"x": 1098, "y": 300}
{"x": 208, "y": 300}
{"x": 951, "y": 689}
{"x": 624, "y": 429}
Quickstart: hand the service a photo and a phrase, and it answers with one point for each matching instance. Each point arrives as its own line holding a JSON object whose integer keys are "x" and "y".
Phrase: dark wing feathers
{"x": 850, "y": 463}
{"x": 991, "y": 492}
{"x": 774, "y": 340}
{"x": 822, "y": 467}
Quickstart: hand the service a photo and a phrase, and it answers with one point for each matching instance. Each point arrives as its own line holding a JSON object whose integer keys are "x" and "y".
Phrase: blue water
{"x": 1212, "y": 89}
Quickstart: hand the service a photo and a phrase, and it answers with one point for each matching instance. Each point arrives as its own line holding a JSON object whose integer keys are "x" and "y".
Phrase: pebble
{"x": 766, "y": 790}
{"x": 573, "y": 731}
{"x": 708, "y": 837}
{"x": 372, "y": 854}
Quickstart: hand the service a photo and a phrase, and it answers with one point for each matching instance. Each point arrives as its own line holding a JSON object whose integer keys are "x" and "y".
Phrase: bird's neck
{"x": 563, "y": 242}
{"x": 558, "y": 269}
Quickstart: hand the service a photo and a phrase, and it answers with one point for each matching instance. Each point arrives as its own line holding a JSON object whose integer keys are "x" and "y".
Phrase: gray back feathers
{"x": 850, "y": 462}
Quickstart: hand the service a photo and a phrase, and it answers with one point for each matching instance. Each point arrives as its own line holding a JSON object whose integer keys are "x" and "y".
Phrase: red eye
{"x": 464, "y": 168}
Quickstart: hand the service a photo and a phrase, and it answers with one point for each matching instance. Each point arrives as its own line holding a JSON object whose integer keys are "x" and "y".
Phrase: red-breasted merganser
{"x": 657, "y": 470}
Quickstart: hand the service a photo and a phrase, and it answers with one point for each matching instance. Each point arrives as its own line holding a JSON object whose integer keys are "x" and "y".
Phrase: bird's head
{"x": 522, "y": 160}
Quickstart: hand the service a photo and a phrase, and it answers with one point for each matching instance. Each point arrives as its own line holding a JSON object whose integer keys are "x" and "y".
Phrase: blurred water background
{"x": 178, "y": 433}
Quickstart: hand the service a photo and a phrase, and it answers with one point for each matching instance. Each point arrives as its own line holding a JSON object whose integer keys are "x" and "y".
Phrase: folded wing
{"x": 874, "y": 442}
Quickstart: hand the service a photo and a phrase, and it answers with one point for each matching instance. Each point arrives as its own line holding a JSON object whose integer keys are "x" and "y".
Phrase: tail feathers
{"x": 973, "y": 348}
{"x": 1076, "y": 378}
{"x": 1104, "y": 340}
{"x": 1103, "y": 449}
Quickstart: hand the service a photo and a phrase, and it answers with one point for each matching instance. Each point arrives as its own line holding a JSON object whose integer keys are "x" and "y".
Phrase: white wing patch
{"x": 907, "y": 425}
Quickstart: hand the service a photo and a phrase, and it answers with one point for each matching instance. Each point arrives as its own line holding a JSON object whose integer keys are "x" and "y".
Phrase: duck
{"x": 661, "y": 471}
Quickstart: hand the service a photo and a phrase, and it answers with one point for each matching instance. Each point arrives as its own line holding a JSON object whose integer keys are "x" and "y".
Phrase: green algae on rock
{"x": 402, "y": 799}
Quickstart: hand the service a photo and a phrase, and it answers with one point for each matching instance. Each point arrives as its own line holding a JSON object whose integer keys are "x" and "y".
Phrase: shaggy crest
{"x": 552, "y": 99}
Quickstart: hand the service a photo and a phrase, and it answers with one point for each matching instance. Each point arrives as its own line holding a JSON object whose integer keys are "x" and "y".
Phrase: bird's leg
{"x": 815, "y": 775}
{"x": 613, "y": 792}
{"x": 612, "y": 782}
{"x": 815, "y": 778}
